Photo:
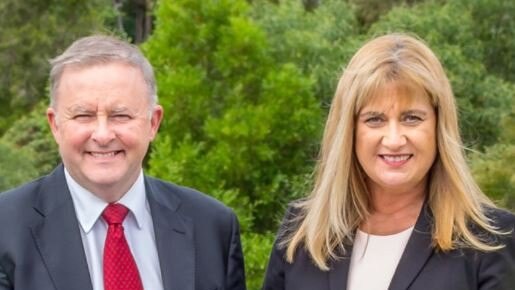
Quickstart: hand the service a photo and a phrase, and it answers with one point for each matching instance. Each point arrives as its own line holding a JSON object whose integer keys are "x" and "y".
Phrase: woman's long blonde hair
{"x": 326, "y": 220}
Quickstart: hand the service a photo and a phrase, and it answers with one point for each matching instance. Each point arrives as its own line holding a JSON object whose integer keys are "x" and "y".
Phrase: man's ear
{"x": 155, "y": 120}
{"x": 51, "y": 117}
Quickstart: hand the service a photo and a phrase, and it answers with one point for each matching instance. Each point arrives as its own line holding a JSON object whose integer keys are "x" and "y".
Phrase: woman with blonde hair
{"x": 394, "y": 205}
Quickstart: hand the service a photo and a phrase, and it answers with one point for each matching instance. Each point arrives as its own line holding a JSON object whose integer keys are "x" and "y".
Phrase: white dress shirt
{"x": 138, "y": 228}
{"x": 374, "y": 259}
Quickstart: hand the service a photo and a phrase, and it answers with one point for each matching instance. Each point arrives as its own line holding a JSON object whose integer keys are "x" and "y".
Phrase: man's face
{"x": 103, "y": 123}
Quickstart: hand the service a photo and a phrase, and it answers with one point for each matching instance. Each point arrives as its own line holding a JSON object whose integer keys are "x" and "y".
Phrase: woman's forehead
{"x": 395, "y": 93}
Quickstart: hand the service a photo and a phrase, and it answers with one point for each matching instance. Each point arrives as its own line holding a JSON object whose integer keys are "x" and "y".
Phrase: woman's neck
{"x": 392, "y": 213}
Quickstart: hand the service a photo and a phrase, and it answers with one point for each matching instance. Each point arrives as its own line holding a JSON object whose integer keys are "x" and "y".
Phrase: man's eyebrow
{"x": 119, "y": 109}
{"x": 78, "y": 109}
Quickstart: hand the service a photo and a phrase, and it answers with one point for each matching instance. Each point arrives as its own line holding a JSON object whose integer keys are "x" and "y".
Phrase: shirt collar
{"x": 89, "y": 207}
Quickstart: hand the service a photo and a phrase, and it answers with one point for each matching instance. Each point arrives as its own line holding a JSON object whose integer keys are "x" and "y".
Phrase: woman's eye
{"x": 374, "y": 121}
{"x": 412, "y": 119}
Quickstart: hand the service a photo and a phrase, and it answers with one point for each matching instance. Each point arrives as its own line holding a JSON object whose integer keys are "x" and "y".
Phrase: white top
{"x": 138, "y": 229}
{"x": 374, "y": 259}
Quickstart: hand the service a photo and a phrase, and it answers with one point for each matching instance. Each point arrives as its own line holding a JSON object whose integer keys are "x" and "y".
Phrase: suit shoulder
{"x": 21, "y": 194}
{"x": 501, "y": 218}
{"x": 189, "y": 198}
{"x": 292, "y": 219}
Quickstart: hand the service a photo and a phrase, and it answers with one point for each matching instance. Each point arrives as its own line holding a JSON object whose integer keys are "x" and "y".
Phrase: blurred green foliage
{"x": 494, "y": 168}
{"x": 319, "y": 42}
{"x": 34, "y": 31}
{"x": 495, "y": 26}
{"x": 36, "y": 151}
{"x": 246, "y": 85}
{"x": 240, "y": 124}
{"x": 18, "y": 157}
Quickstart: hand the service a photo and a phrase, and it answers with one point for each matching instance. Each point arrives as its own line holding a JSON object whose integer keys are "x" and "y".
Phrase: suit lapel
{"x": 174, "y": 239}
{"x": 417, "y": 252}
{"x": 338, "y": 275}
{"x": 57, "y": 235}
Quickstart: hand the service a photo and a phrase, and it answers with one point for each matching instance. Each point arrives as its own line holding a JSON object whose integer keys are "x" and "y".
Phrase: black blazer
{"x": 420, "y": 267}
{"x": 197, "y": 238}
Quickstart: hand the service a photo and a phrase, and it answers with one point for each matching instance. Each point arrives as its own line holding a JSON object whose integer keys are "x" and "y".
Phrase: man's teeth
{"x": 100, "y": 154}
{"x": 396, "y": 158}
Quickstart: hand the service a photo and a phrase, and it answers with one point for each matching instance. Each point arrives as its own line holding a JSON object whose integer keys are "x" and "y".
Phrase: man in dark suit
{"x": 96, "y": 222}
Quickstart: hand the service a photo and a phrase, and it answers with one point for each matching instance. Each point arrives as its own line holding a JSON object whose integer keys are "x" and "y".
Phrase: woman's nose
{"x": 394, "y": 137}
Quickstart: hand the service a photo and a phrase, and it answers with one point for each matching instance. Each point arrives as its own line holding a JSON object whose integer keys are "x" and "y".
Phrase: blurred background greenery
{"x": 246, "y": 86}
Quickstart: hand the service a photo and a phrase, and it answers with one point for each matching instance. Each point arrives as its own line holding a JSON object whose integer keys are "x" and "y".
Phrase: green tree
{"x": 32, "y": 32}
{"x": 319, "y": 42}
{"x": 29, "y": 138}
{"x": 494, "y": 168}
{"x": 494, "y": 25}
{"x": 15, "y": 166}
{"x": 369, "y": 11}
{"x": 239, "y": 126}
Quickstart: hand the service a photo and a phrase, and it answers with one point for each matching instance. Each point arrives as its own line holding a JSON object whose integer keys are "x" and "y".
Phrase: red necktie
{"x": 120, "y": 270}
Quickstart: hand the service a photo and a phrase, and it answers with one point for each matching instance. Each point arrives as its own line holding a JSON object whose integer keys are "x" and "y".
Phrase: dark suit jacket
{"x": 420, "y": 267}
{"x": 197, "y": 238}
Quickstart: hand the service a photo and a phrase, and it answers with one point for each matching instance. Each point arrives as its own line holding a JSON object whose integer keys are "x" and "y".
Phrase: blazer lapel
{"x": 57, "y": 235}
{"x": 417, "y": 252}
{"x": 174, "y": 239}
{"x": 338, "y": 275}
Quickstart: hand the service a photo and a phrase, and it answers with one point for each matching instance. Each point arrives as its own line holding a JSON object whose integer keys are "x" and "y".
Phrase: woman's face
{"x": 395, "y": 140}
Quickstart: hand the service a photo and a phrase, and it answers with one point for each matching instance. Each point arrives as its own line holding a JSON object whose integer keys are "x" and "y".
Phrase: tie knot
{"x": 115, "y": 213}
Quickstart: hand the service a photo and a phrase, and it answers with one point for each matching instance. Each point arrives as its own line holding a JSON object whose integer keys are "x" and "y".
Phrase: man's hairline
{"x": 151, "y": 98}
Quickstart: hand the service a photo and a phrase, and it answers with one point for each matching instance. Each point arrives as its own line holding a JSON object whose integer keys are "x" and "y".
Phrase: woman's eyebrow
{"x": 369, "y": 114}
{"x": 414, "y": 112}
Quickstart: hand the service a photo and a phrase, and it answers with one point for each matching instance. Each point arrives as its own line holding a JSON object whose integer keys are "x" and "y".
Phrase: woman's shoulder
{"x": 501, "y": 218}
{"x": 295, "y": 208}
{"x": 293, "y": 217}
{"x": 497, "y": 268}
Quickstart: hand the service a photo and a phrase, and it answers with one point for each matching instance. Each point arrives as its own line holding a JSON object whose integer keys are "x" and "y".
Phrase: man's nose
{"x": 102, "y": 132}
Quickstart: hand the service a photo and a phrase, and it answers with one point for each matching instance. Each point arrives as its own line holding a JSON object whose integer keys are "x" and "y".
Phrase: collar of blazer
{"x": 417, "y": 252}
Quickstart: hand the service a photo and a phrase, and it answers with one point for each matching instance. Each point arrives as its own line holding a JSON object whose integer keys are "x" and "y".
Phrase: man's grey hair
{"x": 101, "y": 49}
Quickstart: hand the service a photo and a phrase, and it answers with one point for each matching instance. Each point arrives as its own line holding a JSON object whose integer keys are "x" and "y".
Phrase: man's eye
{"x": 83, "y": 117}
{"x": 121, "y": 117}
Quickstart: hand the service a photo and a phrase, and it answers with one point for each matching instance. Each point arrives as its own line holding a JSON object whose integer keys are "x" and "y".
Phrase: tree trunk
{"x": 117, "y": 4}
{"x": 143, "y": 20}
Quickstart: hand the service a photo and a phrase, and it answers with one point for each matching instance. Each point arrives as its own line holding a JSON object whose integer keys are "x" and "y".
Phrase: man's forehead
{"x": 89, "y": 107}
{"x": 80, "y": 66}
{"x": 100, "y": 76}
